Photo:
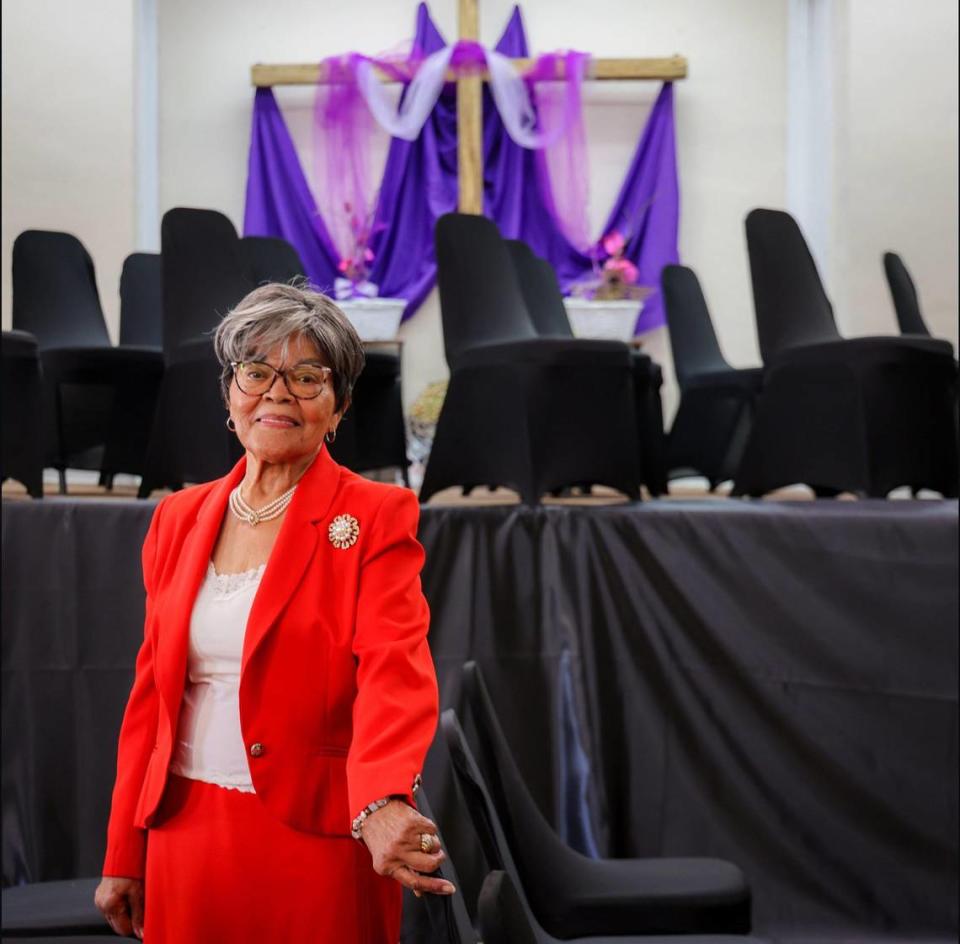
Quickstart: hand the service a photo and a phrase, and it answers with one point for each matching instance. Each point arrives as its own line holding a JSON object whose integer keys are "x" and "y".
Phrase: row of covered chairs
{"x": 862, "y": 415}
{"x": 537, "y": 888}
{"x": 529, "y": 406}
{"x": 151, "y": 406}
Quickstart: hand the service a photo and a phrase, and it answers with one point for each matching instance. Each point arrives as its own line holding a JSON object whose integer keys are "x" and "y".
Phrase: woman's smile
{"x": 276, "y": 421}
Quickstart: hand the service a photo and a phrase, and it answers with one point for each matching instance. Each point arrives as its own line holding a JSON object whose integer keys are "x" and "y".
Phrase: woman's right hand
{"x": 120, "y": 900}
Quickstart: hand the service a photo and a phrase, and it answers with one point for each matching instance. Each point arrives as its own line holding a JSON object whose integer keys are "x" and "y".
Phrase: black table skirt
{"x": 773, "y": 683}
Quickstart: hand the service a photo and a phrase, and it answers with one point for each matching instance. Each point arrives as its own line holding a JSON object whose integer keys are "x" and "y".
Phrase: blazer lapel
{"x": 295, "y": 547}
{"x": 191, "y": 569}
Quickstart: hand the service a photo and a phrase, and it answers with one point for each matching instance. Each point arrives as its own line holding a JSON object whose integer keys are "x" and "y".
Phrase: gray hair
{"x": 274, "y": 314}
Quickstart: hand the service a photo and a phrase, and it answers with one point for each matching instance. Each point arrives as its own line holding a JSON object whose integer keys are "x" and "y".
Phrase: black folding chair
{"x": 372, "y": 434}
{"x": 55, "y": 909}
{"x": 544, "y": 301}
{"x": 580, "y": 895}
{"x": 447, "y": 920}
{"x": 534, "y": 414}
{"x": 524, "y": 919}
{"x": 269, "y": 259}
{"x": 717, "y": 401}
{"x": 906, "y": 302}
{"x": 204, "y": 275}
{"x": 98, "y": 399}
{"x": 141, "y": 301}
{"x": 864, "y": 415}
{"x": 22, "y": 412}
{"x": 505, "y": 918}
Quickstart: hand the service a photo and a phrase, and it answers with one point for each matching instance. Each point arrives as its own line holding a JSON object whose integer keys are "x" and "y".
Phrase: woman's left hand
{"x": 394, "y": 836}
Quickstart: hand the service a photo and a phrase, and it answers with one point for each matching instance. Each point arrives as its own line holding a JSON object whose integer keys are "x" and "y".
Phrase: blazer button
{"x": 256, "y": 749}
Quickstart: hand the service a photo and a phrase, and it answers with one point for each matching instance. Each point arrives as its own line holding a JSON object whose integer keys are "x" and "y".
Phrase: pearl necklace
{"x": 268, "y": 512}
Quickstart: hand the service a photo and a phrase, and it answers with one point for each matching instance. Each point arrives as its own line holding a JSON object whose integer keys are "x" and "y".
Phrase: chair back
{"x": 141, "y": 300}
{"x": 55, "y": 293}
{"x": 480, "y": 298}
{"x": 203, "y": 274}
{"x": 791, "y": 305}
{"x": 447, "y": 913}
{"x": 541, "y": 291}
{"x": 906, "y": 302}
{"x": 476, "y": 797}
{"x": 503, "y": 919}
{"x": 269, "y": 259}
{"x": 527, "y": 831}
{"x": 693, "y": 340}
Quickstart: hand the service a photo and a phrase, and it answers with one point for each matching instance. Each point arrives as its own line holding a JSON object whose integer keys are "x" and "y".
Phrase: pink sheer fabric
{"x": 352, "y": 102}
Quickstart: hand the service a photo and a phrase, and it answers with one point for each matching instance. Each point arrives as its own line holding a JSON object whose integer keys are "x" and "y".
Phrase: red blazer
{"x": 337, "y": 686}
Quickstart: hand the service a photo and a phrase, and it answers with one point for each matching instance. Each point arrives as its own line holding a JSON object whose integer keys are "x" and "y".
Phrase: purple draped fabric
{"x": 420, "y": 184}
{"x": 517, "y": 195}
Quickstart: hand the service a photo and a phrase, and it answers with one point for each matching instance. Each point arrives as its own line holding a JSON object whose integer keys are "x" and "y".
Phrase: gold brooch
{"x": 343, "y": 531}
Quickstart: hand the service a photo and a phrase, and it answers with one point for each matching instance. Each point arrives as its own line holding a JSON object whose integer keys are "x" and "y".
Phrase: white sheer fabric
{"x": 422, "y": 93}
{"x": 209, "y": 741}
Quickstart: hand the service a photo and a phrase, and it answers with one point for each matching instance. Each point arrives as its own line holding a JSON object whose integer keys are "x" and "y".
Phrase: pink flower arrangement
{"x": 356, "y": 266}
{"x": 617, "y": 277}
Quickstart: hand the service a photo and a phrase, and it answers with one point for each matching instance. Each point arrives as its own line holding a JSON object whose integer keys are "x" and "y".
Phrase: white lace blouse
{"x": 209, "y": 743}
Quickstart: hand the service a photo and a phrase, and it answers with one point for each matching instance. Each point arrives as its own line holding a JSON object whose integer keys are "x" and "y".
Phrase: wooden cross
{"x": 470, "y": 99}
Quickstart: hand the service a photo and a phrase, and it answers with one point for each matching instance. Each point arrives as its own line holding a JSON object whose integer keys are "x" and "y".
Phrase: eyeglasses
{"x": 304, "y": 381}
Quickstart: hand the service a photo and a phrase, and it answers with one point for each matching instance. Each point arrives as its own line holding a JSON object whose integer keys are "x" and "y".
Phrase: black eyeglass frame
{"x": 327, "y": 373}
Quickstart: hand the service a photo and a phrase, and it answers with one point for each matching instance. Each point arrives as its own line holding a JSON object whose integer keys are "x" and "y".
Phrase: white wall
{"x": 896, "y": 161}
{"x": 68, "y": 86}
{"x": 68, "y": 150}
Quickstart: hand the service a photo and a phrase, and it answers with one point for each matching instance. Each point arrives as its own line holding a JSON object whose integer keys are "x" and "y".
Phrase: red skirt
{"x": 221, "y": 868}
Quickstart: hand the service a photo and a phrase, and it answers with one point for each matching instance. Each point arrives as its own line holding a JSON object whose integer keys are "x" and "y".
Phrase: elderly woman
{"x": 284, "y": 696}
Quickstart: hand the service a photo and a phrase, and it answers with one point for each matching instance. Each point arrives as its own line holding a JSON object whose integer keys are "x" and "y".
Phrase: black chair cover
{"x": 22, "y": 415}
{"x": 55, "y": 291}
{"x": 53, "y": 908}
{"x": 544, "y": 301}
{"x": 372, "y": 434}
{"x": 906, "y": 302}
{"x": 141, "y": 301}
{"x": 717, "y": 401}
{"x": 95, "y": 395}
{"x": 269, "y": 259}
{"x": 204, "y": 274}
{"x": 496, "y": 851}
{"x": 578, "y": 895}
{"x": 60, "y": 938}
{"x": 437, "y": 919}
{"x": 504, "y": 919}
{"x": 865, "y": 414}
{"x": 203, "y": 277}
{"x": 535, "y": 414}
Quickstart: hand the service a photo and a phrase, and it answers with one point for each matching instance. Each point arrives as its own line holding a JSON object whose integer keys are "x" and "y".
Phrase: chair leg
{"x": 62, "y": 475}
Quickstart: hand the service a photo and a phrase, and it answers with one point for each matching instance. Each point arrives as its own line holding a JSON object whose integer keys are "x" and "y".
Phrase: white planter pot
{"x": 611, "y": 320}
{"x": 376, "y": 319}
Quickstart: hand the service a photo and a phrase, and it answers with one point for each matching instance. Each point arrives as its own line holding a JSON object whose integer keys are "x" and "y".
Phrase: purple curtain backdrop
{"x": 420, "y": 184}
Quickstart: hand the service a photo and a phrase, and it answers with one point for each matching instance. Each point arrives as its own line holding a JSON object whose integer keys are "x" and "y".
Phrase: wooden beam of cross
{"x": 470, "y": 98}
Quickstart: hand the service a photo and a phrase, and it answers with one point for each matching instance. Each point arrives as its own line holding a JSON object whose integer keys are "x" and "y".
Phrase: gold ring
{"x": 426, "y": 842}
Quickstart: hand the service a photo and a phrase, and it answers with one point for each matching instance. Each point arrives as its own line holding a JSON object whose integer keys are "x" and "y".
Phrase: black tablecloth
{"x": 771, "y": 683}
